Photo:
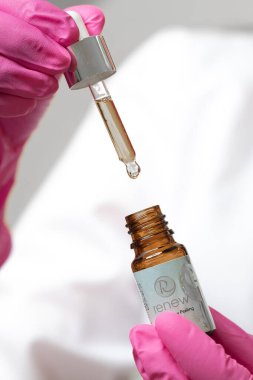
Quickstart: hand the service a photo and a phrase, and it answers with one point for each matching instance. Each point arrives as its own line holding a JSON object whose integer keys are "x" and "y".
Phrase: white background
{"x": 185, "y": 94}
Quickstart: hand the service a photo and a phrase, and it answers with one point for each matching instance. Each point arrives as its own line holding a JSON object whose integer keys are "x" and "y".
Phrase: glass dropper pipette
{"x": 107, "y": 109}
{"x": 115, "y": 128}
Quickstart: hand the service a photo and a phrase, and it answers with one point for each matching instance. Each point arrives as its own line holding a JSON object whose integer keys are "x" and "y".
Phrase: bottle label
{"x": 173, "y": 286}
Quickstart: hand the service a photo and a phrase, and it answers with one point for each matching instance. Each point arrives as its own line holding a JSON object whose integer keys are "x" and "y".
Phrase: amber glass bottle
{"x": 163, "y": 271}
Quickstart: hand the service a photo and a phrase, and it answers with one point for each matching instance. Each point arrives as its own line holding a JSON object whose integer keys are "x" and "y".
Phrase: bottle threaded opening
{"x": 146, "y": 226}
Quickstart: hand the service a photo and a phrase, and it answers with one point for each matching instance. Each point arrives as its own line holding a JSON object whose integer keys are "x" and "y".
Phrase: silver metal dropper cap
{"x": 94, "y": 61}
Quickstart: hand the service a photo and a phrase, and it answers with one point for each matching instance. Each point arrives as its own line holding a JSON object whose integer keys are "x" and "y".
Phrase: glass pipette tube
{"x": 115, "y": 128}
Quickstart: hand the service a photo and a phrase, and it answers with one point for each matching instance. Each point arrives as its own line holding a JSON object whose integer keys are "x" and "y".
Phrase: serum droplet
{"x": 133, "y": 169}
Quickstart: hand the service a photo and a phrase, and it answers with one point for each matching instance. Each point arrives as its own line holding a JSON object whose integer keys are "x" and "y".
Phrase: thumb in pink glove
{"x": 175, "y": 348}
{"x": 34, "y": 35}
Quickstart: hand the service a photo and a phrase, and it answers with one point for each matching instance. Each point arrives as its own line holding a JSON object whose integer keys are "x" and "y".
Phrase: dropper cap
{"x": 94, "y": 61}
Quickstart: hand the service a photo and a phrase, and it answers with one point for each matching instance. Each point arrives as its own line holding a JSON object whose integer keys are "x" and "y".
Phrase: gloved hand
{"x": 34, "y": 35}
{"x": 175, "y": 348}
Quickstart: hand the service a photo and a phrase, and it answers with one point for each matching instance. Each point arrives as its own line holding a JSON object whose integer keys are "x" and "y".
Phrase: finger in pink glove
{"x": 34, "y": 35}
{"x": 195, "y": 354}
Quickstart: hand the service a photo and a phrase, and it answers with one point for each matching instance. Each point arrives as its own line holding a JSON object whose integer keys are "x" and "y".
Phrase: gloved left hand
{"x": 175, "y": 348}
{"x": 34, "y": 35}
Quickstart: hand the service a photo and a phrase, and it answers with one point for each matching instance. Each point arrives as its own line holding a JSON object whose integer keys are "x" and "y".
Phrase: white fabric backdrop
{"x": 67, "y": 296}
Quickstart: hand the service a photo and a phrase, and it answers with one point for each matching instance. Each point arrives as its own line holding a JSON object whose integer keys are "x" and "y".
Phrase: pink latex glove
{"x": 175, "y": 348}
{"x": 34, "y": 35}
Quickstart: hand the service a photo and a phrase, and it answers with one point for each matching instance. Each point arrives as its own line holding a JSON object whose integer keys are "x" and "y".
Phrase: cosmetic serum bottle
{"x": 163, "y": 270}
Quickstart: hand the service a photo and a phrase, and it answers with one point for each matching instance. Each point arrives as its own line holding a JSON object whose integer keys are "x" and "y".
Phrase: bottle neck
{"x": 149, "y": 231}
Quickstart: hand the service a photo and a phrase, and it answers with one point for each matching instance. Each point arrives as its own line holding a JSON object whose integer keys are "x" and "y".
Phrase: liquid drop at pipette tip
{"x": 133, "y": 169}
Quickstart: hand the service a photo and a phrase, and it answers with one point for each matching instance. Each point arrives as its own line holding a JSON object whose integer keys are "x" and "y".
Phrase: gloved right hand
{"x": 175, "y": 348}
{"x": 34, "y": 35}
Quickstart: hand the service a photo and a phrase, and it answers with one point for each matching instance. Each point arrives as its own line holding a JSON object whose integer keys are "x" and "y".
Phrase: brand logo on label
{"x": 165, "y": 286}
